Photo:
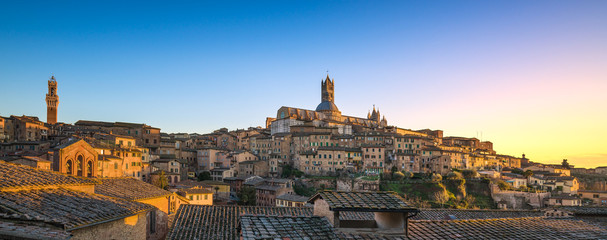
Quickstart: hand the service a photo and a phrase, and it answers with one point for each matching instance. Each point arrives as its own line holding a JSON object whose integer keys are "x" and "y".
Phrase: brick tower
{"x": 52, "y": 101}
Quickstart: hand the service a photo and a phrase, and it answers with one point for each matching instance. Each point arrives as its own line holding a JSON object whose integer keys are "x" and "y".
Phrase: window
{"x": 153, "y": 221}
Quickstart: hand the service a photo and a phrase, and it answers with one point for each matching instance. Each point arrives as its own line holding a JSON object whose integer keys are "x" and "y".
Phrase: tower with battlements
{"x": 52, "y": 101}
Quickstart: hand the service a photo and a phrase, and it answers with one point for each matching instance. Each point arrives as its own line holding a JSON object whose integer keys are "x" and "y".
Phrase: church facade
{"x": 327, "y": 114}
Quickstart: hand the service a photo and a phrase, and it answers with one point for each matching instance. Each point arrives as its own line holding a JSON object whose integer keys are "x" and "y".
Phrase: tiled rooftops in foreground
{"x": 363, "y": 201}
{"x": 16, "y": 177}
{"x": 286, "y": 227}
{"x": 506, "y": 228}
{"x": 221, "y": 222}
{"x": 128, "y": 188}
{"x": 73, "y": 209}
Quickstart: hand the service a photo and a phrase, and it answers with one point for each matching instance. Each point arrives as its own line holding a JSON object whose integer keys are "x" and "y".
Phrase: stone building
{"x": 145, "y": 136}
{"x": 77, "y": 158}
{"x": 33, "y": 161}
{"x": 253, "y": 168}
{"x": 197, "y": 195}
{"x": 27, "y": 128}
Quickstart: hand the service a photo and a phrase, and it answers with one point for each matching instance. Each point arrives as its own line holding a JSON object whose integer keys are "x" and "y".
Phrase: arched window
{"x": 79, "y": 163}
{"x": 89, "y": 169}
{"x": 68, "y": 166}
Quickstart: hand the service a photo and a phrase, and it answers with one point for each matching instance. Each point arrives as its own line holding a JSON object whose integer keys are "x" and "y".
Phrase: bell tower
{"x": 327, "y": 90}
{"x": 52, "y": 101}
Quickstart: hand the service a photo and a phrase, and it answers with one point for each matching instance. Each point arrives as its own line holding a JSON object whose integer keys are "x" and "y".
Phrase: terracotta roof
{"x": 34, "y": 158}
{"x": 221, "y": 221}
{"x": 72, "y": 208}
{"x": 293, "y": 198}
{"x": 196, "y": 191}
{"x": 585, "y": 210}
{"x": 268, "y": 187}
{"x": 33, "y": 177}
{"x": 364, "y": 201}
{"x": 129, "y": 189}
{"x": 274, "y": 227}
{"x": 457, "y": 214}
{"x": 510, "y": 228}
{"x": 18, "y": 230}
{"x": 191, "y": 183}
{"x": 460, "y": 214}
{"x": 347, "y": 215}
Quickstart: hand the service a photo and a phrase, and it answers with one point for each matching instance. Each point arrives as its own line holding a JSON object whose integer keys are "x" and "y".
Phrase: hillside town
{"x": 305, "y": 174}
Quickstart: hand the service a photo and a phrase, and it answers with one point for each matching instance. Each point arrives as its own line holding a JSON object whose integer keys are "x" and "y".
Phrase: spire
{"x": 369, "y": 115}
{"x": 328, "y": 79}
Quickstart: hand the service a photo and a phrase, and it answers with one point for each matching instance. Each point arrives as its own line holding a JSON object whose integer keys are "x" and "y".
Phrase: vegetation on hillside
{"x": 597, "y": 182}
{"x": 246, "y": 196}
{"x": 452, "y": 191}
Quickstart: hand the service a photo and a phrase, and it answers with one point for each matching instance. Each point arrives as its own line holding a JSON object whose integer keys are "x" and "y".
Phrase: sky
{"x": 530, "y": 76}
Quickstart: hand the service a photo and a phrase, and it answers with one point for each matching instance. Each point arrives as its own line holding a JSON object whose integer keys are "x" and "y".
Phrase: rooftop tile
{"x": 363, "y": 201}
{"x": 128, "y": 188}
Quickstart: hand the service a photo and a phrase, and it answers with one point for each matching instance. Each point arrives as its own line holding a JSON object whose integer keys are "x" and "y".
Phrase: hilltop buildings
{"x": 320, "y": 142}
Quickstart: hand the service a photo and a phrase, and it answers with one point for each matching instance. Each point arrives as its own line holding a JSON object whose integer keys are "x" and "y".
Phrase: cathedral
{"x": 327, "y": 114}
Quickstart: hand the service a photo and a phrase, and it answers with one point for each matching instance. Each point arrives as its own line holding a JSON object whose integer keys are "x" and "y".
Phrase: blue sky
{"x": 518, "y": 71}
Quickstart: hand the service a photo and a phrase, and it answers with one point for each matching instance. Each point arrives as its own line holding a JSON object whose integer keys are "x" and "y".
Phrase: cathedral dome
{"x": 327, "y": 106}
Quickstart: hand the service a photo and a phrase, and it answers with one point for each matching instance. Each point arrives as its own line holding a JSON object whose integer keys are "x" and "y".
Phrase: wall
{"x": 387, "y": 220}
{"x": 358, "y": 185}
{"x": 133, "y": 227}
{"x": 162, "y": 225}
{"x": 162, "y": 203}
{"x": 321, "y": 208}
{"x": 519, "y": 200}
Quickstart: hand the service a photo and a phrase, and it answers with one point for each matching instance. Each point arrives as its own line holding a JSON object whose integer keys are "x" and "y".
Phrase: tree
{"x": 565, "y": 164}
{"x": 408, "y": 174}
{"x": 436, "y": 177}
{"x": 247, "y": 196}
{"x": 162, "y": 181}
{"x": 470, "y": 173}
{"x": 503, "y": 185}
{"x": 470, "y": 200}
{"x": 203, "y": 176}
{"x": 393, "y": 170}
{"x": 287, "y": 171}
{"x": 454, "y": 176}
{"x": 441, "y": 197}
{"x": 398, "y": 176}
{"x": 528, "y": 173}
{"x": 518, "y": 171}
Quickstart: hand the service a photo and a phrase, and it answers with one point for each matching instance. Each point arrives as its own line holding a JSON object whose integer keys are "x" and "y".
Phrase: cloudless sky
{"x": 530, "y": 76}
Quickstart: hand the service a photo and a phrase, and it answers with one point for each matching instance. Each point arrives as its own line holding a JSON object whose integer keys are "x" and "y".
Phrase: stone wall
{"x": 519, "y": 200}
{"x": 133, "y": 227}
{"x": 358, "y": 185}
{"x": 162, "y": 226}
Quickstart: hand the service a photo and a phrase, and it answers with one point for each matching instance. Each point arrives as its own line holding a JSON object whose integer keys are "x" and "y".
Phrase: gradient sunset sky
{"x": 531, "y": 76}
